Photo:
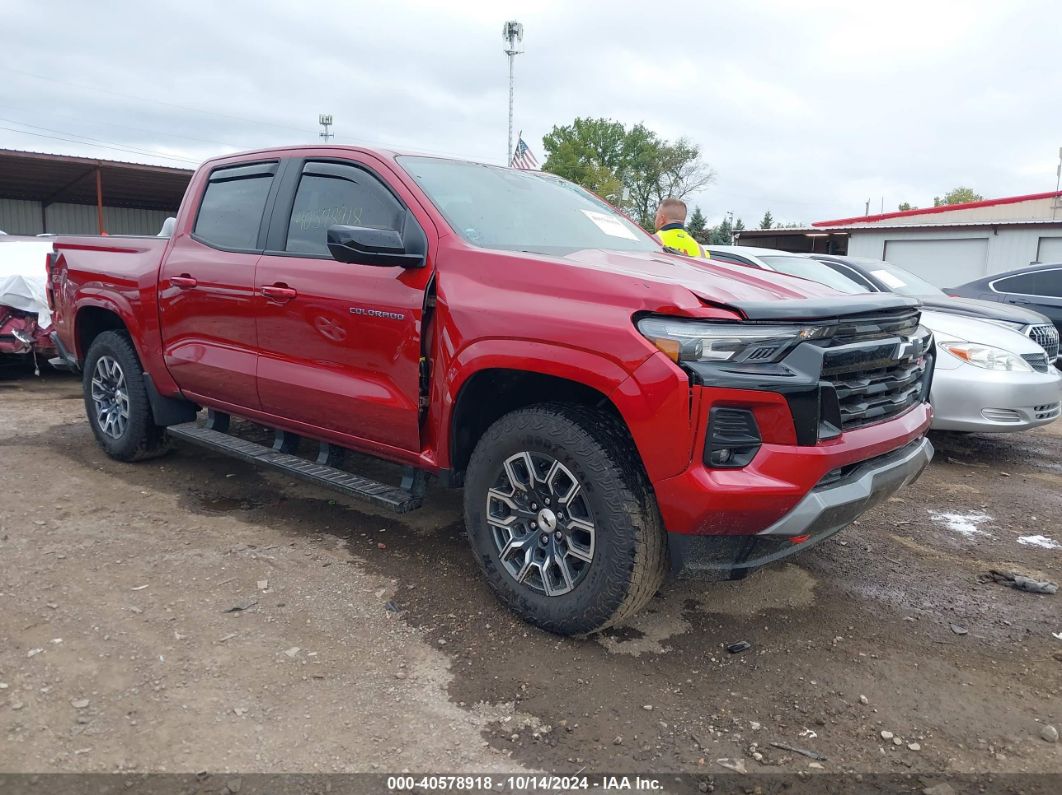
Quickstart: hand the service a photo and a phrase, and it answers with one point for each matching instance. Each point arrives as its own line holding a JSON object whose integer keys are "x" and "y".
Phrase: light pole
{"x": 512, "y": 34}
{"x": 325, "y": 120}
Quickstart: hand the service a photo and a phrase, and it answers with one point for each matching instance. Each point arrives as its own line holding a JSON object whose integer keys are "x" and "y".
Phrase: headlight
{"x": 986, "y": 356}
{"x": 685, "y": 340}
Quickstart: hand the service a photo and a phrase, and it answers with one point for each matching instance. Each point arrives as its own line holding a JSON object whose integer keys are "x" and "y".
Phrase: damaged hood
{"x": 755, "y": 294}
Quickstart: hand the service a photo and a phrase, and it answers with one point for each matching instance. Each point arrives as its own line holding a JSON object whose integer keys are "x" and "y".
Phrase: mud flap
{"x": 168, "y": 410}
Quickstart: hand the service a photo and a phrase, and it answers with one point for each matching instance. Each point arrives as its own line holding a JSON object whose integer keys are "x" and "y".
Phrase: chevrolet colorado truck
{"x": 610, "y": 409}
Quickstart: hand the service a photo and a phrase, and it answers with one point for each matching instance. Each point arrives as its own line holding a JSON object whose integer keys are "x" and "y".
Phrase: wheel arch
{"x": 92, "y": 320}
{"x": 492, "y": 392}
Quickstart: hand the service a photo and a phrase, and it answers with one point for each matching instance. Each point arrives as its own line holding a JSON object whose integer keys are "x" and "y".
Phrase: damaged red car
{"x": 25, "y": 318}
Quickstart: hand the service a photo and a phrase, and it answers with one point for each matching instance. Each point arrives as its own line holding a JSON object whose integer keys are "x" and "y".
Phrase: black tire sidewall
{"x": 600, "y": 594}
{"x": 140, "y": 430}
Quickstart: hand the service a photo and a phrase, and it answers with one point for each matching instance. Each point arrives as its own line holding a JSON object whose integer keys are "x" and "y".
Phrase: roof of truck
{"x": 379, "y": 151}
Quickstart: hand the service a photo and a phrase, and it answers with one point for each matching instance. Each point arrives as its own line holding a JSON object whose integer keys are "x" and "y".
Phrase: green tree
{"x": 631, "y": 167}
{"x": 906, "y": 206}
{"x": 959, "y": 195}
{"x": 768, "y": 220}
{"x": 697, "y": 226}
{"x": 722, "y": 235}
{"x": 739, "y": 225}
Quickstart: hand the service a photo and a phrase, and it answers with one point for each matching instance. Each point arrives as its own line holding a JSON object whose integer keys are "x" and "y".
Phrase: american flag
{"x": 522, "y": 157}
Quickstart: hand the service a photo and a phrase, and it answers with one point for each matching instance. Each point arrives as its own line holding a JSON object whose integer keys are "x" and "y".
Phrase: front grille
{"x": 875, "y": 395}
{"x": 1037, "y": 361}
{"x": 874, "y": 382}
{"x": 1047, "y": 338}
{"x": 875, "y": 328}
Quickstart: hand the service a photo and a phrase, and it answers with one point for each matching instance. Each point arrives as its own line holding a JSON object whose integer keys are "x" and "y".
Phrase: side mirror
{"x": 362, "y": 245}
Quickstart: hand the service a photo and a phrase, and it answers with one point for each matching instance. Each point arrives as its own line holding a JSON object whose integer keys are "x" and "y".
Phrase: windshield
{"x": 815, "y": 271}
{"x": 901, "y": 281}
{"x": 503, "y": 208}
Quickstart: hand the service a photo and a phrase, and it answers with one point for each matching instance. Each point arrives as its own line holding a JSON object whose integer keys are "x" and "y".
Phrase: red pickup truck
{"x": 610, "y": 408}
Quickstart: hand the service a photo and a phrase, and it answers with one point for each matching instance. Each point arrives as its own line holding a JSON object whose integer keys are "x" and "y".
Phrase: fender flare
{"x": 590, "y": 369}
{"x": 546, "y": 358}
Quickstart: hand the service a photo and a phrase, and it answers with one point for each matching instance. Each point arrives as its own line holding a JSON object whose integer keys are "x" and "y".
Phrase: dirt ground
{"x": 194, "y": 613}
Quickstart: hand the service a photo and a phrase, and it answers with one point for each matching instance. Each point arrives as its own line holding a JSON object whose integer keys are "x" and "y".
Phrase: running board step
{"x": 390, "y": 497}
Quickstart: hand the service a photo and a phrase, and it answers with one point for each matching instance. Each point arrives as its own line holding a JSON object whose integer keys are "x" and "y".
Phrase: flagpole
{"x": 512, "y": 60}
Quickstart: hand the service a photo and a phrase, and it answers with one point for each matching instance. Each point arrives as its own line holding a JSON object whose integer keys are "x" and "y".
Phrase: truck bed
{"x": 112, "y": 257}
{"x": 117, "y": 274}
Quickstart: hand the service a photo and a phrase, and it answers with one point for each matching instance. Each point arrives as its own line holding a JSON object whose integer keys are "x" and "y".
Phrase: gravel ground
{"x": 194, "y": 613}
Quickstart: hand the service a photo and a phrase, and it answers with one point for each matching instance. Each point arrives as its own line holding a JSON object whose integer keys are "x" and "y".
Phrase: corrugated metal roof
{"x": 944, "y": 208}
{"x": 37, "y": 176}
{"x": 945, "y": 225}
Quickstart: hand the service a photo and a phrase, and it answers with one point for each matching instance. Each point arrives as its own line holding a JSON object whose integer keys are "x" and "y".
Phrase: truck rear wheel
{"x": 116, "y": 400}
{"x": 561, "y": 519}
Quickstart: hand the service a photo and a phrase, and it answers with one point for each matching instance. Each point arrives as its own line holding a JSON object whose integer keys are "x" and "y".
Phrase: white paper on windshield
{"x": 610, "y": 225}
{"x": 889, "y": 279}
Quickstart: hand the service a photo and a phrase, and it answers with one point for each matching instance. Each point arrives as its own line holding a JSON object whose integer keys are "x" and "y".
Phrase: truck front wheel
{"x": 561, "y": 518}
{"x": 116, "y": 400}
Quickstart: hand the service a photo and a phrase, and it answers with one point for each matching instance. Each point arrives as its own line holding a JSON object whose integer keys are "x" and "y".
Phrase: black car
{"x": 881, "y": 276}
{"x": 1037, "y": 287}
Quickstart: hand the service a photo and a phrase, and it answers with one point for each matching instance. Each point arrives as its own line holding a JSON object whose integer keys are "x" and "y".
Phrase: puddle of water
{"x": 964, "y": 523}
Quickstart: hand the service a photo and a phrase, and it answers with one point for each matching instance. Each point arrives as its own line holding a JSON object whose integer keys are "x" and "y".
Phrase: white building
{"x": 957, "y": 243}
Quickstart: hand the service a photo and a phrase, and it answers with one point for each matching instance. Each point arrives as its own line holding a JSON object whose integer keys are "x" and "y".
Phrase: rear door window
{"x": 335, "y": 193}
{"x": 230, "y": 215}
{"x": 1046, "y": 282}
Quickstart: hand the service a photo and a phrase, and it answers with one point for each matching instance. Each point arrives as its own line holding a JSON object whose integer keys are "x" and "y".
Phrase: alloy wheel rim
{"x": 110, "y": 397}
{"x": 541, "y": 523}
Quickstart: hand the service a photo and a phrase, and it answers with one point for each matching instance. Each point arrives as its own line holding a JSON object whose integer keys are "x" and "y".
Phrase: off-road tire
{"x": 629, "y": 561}
{"x": 142, "y": 438}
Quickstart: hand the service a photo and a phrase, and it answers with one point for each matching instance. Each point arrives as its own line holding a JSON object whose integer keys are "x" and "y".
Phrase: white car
{"x": 988, "y": 377}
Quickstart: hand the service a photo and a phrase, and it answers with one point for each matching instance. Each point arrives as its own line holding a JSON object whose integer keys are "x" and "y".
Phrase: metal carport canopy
{"x": 35, "y": 176}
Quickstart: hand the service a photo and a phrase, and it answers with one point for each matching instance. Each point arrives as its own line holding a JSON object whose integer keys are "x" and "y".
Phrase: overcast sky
{"x": 804, "y": 108}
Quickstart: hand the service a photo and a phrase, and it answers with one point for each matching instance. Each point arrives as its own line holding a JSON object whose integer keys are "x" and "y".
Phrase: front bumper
{"x": 968, "y": 398}
{"x": 743, "y": 502}
{"x": 841, "y": 496}
{"x": 833, "y": 409}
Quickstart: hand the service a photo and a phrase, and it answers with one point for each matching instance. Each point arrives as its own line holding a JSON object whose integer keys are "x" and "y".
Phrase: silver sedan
{"x": 990, "y": 378}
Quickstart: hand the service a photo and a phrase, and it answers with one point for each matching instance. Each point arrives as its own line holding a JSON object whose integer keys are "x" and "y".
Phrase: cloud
{"x": 805, "y": 109}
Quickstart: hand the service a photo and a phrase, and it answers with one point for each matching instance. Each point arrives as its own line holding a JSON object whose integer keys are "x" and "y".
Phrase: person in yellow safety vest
{"x": 671, "y": 228}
